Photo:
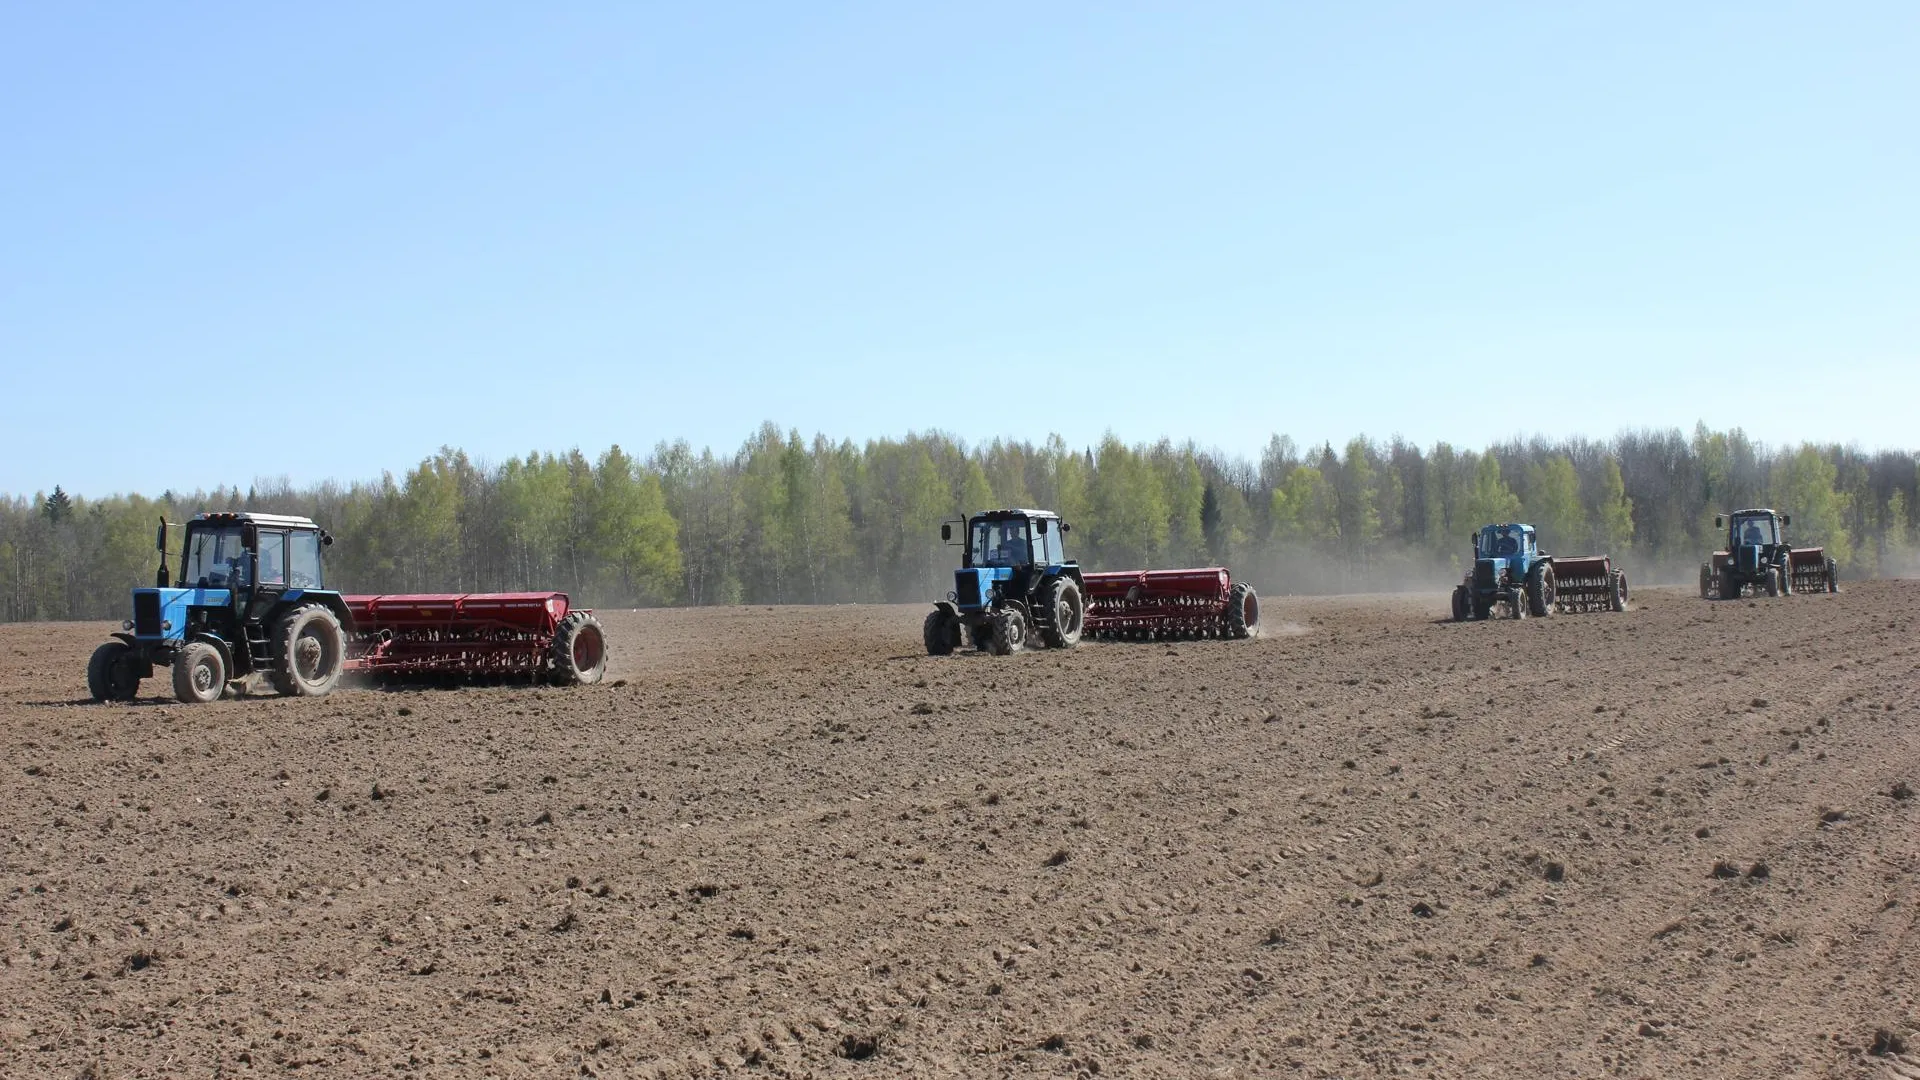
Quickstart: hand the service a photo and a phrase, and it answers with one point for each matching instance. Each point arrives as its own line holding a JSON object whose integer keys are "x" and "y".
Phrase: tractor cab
{"x": 1015, "y": 581}
{"x": 1505, "y": 542}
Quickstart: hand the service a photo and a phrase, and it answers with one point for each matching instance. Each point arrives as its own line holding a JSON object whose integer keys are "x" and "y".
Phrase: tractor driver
{"x": 1508, "y": 545}
{"x": 1013, "y": 543}
{"x": 1752, "y": 533}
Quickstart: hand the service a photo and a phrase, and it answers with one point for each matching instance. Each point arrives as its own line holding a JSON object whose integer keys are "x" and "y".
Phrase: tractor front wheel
{"x": 110, "y": 673}
{"x": 1009, "y": 633}
{"x": 1773, "y": 581}
{"x": 941, "y": 632}
{"x": 1706, "y": 582}
{"x": 1066, "y": 612}
{"x": 579, "y": 650}
{"x": 199, "y": 673}
{"x": 1516, "y": 603}
{"x": 309, "y": 651}
{"x": 1729, "y": 586}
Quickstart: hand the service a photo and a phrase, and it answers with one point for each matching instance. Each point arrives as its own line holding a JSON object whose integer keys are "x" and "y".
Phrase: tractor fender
{"x": 332, "y": 601}
{"x": 948, "y": 606}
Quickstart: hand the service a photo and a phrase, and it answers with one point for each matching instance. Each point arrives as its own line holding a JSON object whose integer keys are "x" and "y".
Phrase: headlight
{"x": 166, "y": 624}
{"x": 128, "y": 625}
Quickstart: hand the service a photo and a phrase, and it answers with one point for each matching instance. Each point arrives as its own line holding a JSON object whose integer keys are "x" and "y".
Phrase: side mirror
{"x": 326, "y": 538}
{"x": 1786, "y": 519}
{"x": 1040, "y": 526}
{"x": 1719, "y": 522}
{"x": 946, "y": 533}
{"x": 250, "y": 536}
{"x": 160, "y": 537}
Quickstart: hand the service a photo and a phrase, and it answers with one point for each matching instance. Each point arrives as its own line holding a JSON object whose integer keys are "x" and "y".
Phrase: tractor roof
{"x": 1013, "y": 512}
{"x": 1762, "y": 512}
{"x": 234, "y": 517}
{"x": 1510, "y": 525}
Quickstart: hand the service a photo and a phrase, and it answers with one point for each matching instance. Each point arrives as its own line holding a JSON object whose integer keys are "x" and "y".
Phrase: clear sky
{"x": 323, "y": 240}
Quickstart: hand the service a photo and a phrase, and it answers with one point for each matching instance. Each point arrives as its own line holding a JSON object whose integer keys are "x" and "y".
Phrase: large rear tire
{"x": 309, "y": 652}
{"x": 1833, "y": 576}
{"x": 199, "y": 673}
{"x": 1618, "y": 600}
{"x": 110, "y": 673}
{"x": 579, "y": 650}
{"x": 941, "y": 632}
{"x": 1067, "y": 614}
{"x": 1243, "y": 610}
{"x": 1541, "y": 590}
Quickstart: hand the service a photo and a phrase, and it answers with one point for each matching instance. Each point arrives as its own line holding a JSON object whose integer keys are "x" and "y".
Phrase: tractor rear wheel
{"x": 309, "y": 651}
{"x": 1618, "y": 599}
{"x": 579, "y": 650}
{"x": 1786, "y": 578}
{"x": 110, "y": 673}
{"x": 1009, "y": 633}
{"x": 199, "y": 673}
{"x": 1462, "y": 604}
{"x": 941, "y": 632}
{"x": 1541, "y": 590}
{"x": 1066, "y": 614}
{"x": 1243, "y": 610}
{"x": 1833, "y": 576}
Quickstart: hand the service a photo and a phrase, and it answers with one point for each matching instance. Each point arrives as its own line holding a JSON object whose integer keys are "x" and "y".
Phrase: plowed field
{"x": 1674, "y": 842}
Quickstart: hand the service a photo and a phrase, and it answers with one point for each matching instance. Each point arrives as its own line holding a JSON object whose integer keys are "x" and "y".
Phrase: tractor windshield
{"x": 215, "y": 559}
{"x": 999, "y": 542}
{"x": 1758, "y": 529}
{"x": 1502, "y": 541}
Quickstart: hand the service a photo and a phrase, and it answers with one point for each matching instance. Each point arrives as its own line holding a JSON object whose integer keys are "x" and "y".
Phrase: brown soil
{"x": 1663, "y": 843}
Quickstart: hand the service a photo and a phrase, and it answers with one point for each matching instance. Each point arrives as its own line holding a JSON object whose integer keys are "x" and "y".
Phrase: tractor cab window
{"x": 1500, "y": 543}
{"x": 1047, "y": 547}
{"x": 215, "y": 559}
{"x": 999, "y": 543}
{"x": 303, "y": 560}
{"x": 1754, "y": 530}
{"x": 273, "y": 557}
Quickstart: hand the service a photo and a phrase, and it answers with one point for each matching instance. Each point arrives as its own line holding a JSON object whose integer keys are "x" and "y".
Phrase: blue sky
{"x": 261, "y": 241}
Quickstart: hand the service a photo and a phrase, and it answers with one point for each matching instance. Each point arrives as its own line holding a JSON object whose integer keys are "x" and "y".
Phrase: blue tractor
{"x": 249, "y": 603}
{"x": 1508, "y": 568}
{"x": 1015, "y": 585}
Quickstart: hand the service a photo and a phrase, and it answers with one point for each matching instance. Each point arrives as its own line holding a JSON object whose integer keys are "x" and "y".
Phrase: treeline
{"x": 787, "y": 520}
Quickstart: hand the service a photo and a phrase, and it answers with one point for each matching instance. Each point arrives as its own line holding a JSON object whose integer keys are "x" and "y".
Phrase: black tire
{"x": 110, "y": 673}
{"x": 1462, "y": 604}
{"x": 1618, "y": 600}
{"x": 941, "y": 632}
{"x": 199, "y": 673}
{"x": 309, "y": 652}
{"x": 1541, "y": 590}
{"x": 1516, "y": 602}
{"x": 982, "y": 636}
{"x": 1009, "y": 633}
{"x": 1243, "y": 610}
{"x": 1482, "y": 607}
{"x": 1786, "y": 577}
{"x": 1706, "y": 582}
{"x": 1729, "y": 586}
{"x": 1773, "y": 581}
{"x": 579, "y": 655}
{"x": 1066, "y": 614}
{"x": 1833, "y": 576}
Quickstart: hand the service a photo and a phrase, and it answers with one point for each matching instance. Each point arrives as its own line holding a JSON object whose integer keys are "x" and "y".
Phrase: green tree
{"x": 1553, "y": 505}
{"x": 1803, "y": 487}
